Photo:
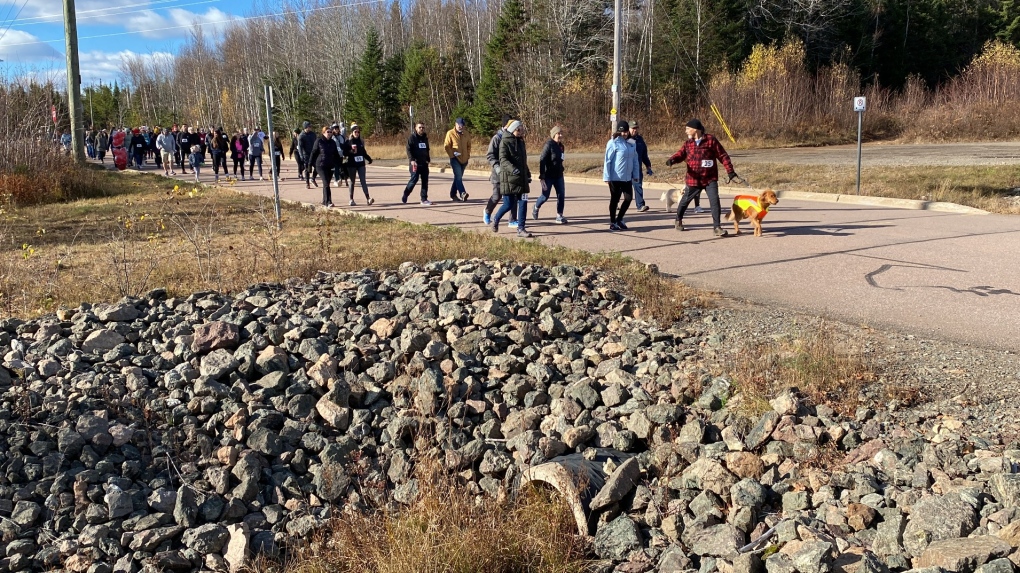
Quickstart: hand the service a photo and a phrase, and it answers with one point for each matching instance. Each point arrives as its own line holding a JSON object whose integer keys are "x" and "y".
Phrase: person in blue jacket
{"x": 621, "y": 170}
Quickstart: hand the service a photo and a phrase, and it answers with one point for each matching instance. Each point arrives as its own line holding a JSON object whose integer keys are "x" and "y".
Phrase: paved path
{"x": 932, "y": 274}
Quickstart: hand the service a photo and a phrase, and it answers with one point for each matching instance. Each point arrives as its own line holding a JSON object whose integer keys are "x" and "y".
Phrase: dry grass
{"x": 146, "y": 235}
{"x": 988, "y": 187}
{"x": 447, "y": 529}
{"x": 827, "y": 368}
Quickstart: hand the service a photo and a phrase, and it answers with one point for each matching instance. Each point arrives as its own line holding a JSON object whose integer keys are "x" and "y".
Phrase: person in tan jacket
{"x": 458, "y": 147}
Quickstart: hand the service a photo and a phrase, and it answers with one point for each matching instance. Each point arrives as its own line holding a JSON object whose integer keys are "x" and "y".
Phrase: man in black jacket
{"x": 306, "y": 144}
{"x": 550, "y": 173}
{"x": 185, "y": 139}
{"x": 642, "y": 154}
{"x": 419, "y": 159}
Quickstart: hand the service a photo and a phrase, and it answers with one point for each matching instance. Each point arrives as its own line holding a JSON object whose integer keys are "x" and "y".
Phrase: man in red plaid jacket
{"x": 702, "y": 152}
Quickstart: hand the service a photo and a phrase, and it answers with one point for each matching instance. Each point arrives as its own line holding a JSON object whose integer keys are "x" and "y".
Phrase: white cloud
{"x": 53, "y": 10}
{"x": 20, "y": 47}
{"x": 151, "y": 24}
{"x": 95, "y": 67}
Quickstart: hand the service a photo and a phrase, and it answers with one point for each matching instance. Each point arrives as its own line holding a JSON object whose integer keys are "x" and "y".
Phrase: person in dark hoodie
{"x": 514, "y": 177}
{"x": 354, "y": 151}
{"x": 419, "y": 158}
{"x": 642, "y": 153}
{"x": 306, "y": 144}
{"x": 323, "y": 157}
{"x": 550, "y": 173}
{"x": 293, "y": 150}
{"x": 185, "y": 139}
{"x": 220, "y": 146}
{"x": 492, "y": 155}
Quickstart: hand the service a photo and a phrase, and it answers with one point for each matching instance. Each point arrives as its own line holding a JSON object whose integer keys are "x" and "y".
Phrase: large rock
{"x": 101, "y": 341}
{"x": 762, "y": 430}
{"x": 1006, "y": 488}
{"x": 117, "y": 312}
{"x": 710, "y": 475}
{"x": 963, "y": 555}
{"x": 619, "y": 484}
{"x": 721, "y": 540}
{"x": 215, "y": 335}
{"x": 617, "y": 538}
{"x": 936, "y": 518}
{"x": 208, "y": 538}
{"x": 218, "y": 363}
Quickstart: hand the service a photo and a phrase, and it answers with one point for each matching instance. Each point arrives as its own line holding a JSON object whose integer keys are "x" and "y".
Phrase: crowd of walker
{"x": 338, "y": 156}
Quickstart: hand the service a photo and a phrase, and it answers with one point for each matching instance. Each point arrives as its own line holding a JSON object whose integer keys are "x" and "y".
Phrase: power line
{"x": 47, "y": 18}
{"x": 23, "y": 4}
{"x": 227, "y": 20}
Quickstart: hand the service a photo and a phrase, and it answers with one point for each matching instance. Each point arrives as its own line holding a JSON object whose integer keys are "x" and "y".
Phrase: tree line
{"x": 550, "y": 62}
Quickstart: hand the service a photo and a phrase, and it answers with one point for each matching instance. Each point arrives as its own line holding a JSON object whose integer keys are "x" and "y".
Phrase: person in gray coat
{"x": 492, "y": 155}
{"x": 514, "y": 177}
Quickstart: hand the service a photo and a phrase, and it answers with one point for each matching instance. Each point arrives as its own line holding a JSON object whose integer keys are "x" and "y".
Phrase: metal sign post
{"x": 860, "y": 104}
{"x": 272, "y": 154}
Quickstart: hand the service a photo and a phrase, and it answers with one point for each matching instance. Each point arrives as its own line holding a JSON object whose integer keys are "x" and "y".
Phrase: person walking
{"x": 550, "y": 173}
{"x": 458, "y": 146}
{"x": 238, "y": 151}
{"x": 306, "y": 144}
{"x": 167, "y": 146}
{"x": 492, "y": 156}
{"x": 515, "y": 176}
{"x": 277, "y": 155}
{"x": 354, "y": 151}
{"x": 293, "y": 151}
{"x": 702, "y": 153}
{"x": 642, "y": 154}
{"x": 102, "y": 145}
{"x": 323, "y": 157}
{"x": 620, "y": 170}
{"x": 196, "y": 159}
{"x": 138, "y": 148}
{"x": 90, "y": 143}
{"x": 220, "y": 145}
{"x": 185, "y": 139}
{"x": 337, "y": 133}
{"x": 256, "y": 146}
{"x": 418, "y": 156}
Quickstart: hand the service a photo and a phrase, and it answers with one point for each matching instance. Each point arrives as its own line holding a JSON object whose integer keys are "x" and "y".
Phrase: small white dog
{"x": 671, "y": 197}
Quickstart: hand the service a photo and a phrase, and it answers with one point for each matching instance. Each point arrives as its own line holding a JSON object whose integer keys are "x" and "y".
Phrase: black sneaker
{"x": 621, "y": 225}
{"x": 534, "y": 212}
{"x": 678, "y": 225}
{"x": 614, "y": 227}
{"x": 720, "y": 232}
{"x": 524, "y": 234}
{"x": 403, "y": 199}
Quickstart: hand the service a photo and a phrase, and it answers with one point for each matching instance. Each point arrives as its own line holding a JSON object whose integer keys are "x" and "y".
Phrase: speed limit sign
{"x": 860, "y": 103}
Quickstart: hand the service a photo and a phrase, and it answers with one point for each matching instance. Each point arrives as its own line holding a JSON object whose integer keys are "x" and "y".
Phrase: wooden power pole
{"x": 74, "y": 83}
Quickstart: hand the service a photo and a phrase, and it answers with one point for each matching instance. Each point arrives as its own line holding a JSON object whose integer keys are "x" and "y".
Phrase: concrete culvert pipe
{"x": 578, "y": 479}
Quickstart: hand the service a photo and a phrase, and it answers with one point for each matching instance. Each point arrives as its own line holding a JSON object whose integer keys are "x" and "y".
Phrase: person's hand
{"x": 369, "y": 161}
{"x": 545, "y": 186}
{"x": 670, "y": 162}
{"x": 456, "y": 154}
{"x": 732, "y": 175}
{"x": 648, "y": 172}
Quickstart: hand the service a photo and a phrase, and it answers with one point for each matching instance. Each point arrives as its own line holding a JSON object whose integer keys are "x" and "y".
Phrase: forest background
{"x": 781, "y": 72}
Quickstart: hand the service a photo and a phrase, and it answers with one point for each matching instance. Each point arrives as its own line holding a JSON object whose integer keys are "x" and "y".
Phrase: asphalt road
{"x": 933, "y": 274}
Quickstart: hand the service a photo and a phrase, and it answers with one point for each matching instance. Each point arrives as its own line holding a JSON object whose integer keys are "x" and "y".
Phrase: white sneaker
{"x": 426, "y": 203}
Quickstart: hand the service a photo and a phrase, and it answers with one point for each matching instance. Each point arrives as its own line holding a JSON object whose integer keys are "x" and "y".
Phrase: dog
{"x": 753, "y": 208}
{"x": 671, "y": 197}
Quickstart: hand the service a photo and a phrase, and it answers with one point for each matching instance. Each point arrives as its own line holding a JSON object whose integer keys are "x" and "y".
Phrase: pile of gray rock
{"x": 190, "y": 434}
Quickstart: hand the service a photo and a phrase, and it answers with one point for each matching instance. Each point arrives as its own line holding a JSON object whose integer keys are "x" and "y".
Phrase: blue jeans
{"x": 547, "y": 187}
{"x": 457, "y": 187}
{"x": 639, "y": 191}
{"x": 252, "y": 160}
{"x": 518, "y": 203}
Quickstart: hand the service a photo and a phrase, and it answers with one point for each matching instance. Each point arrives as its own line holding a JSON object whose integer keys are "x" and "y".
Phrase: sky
{"x": 32, "y": 33}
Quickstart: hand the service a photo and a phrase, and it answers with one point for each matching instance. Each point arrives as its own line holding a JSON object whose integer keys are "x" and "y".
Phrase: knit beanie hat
{"x": 622, "y": 126}
{"x": 514, "y": 125}
{"x": 554, "y": 131}
{"x": 696, "y": 124}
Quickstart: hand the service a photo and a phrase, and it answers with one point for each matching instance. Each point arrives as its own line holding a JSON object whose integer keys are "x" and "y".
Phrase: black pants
{"x": 219, "y": 158}
{"x": 311, "y": 173}
{"x": 618, "y": 190}
{"x": 325, "y": 173}
{"x": 355, "y": 171}
{"x": 691, "y": 194}
{"x": 300, "y": 167}
{"x": 277, "y": 159}
{"x": 239, "y": 161}
{"x": 180, "y": 156}
{"x": 421, "y": 172}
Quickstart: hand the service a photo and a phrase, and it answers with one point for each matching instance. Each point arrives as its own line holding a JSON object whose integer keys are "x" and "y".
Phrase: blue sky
{"x": 32, "y": 31}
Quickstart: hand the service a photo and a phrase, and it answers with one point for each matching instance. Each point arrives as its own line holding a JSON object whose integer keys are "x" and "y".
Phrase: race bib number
{"x": 524, "y": 197}
{"x": 423, "y": 146}
{"x": 358, "y": 159}
{"x": 277, "y": 153}
{"x": 707, "y": 163}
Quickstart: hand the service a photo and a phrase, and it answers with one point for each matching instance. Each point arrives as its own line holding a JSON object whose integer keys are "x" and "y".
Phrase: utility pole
{"x": 74, "y": 83}
{"x": 272, "y": 155}
{"x": 616, "y": 65}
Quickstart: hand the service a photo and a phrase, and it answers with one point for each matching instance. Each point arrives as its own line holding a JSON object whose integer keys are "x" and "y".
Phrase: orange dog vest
{"x": 746, "y": 202}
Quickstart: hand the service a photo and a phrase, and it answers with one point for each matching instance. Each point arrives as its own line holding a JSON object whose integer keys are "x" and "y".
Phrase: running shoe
{"x": 486, "y": 217}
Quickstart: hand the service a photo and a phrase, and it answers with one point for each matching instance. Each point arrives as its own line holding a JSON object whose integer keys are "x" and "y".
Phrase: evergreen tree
{"x": 1009, "y": 22}
{"x": 365, "y": 90}
{"x": 490, "y": 100}
{"x": 391, "y": 113}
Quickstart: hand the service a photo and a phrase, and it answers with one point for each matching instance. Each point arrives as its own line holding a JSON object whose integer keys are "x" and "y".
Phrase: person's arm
{"x": 543, "y": 160}
{"x": 492, "y": 153}
{"x": 410, "y": 149}
{"x": 725, "y": 158}
{"x": 635, "y": 171}
{"x": 643, "y": 156}
{"x": 364, "y": 152}
{"x": 610, "y": 158}
{"x": 448, "y": 143}
{"x": 314, "y": 155}
{"x": 679, "y": 157}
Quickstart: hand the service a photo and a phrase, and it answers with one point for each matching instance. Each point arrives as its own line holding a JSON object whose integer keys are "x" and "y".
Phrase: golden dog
{"x": 753, "y": 208}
